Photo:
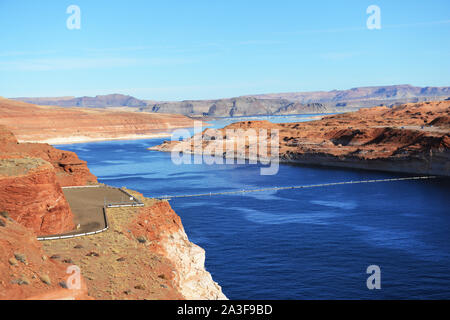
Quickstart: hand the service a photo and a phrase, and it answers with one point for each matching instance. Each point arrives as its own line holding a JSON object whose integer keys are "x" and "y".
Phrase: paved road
{"x": 87, "y": 204}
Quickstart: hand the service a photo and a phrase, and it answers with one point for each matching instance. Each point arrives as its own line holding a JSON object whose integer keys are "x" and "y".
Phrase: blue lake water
{"x": 296, "y": 244}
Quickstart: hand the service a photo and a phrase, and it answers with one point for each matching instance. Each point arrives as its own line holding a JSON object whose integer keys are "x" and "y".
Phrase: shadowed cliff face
{"x": 412, "y": 138}
{"x": 26, "y": 272}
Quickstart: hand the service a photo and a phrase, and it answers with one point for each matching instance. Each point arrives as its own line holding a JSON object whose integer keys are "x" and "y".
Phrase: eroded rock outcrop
{"x": 169, "y": 239}
{"x": 70, "y": 170}
{"x": 31, "y": 175}
{"x": 31, "y": 195}
{"x": 411, "y": 138}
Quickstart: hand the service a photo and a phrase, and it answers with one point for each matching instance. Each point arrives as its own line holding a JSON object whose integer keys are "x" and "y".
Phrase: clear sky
{"x": 189, "y": 49}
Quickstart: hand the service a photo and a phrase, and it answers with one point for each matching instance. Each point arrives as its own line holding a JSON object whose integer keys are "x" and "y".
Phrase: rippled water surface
{"x": 296, "y": 244}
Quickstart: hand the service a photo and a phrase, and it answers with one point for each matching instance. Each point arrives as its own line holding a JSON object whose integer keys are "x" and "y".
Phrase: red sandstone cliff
{"x": 31, "y": 195}
{"x": 411, "y": 138}
{"x": 65, "y": 125}
{"x": 31, "y": 175}
{"x": 70, "y": 170}
{"x": 169, "y": 239}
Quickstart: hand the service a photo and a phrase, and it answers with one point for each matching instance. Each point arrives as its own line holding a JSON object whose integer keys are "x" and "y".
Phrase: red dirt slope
{"x": 26, "y": 272}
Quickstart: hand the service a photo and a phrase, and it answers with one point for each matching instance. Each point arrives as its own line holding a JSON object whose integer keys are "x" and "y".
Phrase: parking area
{"x": 87, "y": 205}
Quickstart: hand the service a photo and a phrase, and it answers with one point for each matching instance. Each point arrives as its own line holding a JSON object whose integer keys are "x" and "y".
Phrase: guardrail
{"x": 79, "y": 234}
{"x": 124, "y": 204}
{"x": 73, "y": 187}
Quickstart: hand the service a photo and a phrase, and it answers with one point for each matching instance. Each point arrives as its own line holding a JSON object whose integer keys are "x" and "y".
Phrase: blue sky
{"x": 174, "y": 50}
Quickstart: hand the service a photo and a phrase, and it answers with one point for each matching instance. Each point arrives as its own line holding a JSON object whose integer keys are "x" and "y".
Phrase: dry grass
{"x": 116, "y": 265}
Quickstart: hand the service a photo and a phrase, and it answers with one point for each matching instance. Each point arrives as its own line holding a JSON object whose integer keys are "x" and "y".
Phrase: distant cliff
{"x": 303, "y": 102}
{"x": 264, "y": 104}
{"x": 35, "y": 123}
{"x": 394, "y": 93}
{"x": 100, "y": 101}
{"x": 242, "y": 106}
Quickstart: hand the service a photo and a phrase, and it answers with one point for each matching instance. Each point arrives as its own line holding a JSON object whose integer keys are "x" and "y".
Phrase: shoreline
{"x": 163, "y": 134}
{"x": 85, "y": 139}
{"x": 401, "y": 166}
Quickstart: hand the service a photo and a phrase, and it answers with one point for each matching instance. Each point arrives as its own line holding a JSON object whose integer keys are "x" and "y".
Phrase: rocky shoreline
{"x": 411, "y": 138}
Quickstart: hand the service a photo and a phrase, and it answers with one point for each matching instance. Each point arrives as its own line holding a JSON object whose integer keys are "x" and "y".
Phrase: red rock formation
{"x": 31, "y": 176}
{"x": 31, "y": 195}
{"x": 168, "y": 238}
{"x": 34, "y": 123}
{"x": 411, "y": 138}
{"x": 26, "y": 272}
{"x": 70, "y": 170}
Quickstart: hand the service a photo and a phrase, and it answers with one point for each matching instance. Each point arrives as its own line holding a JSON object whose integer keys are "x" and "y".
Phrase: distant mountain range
{"x": 103, "y": 101}
{"x": 394, "y": 92}
{"x": 263, "y": 104}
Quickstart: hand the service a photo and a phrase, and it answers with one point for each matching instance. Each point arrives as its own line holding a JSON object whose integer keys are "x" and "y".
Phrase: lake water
{"x": 296, "y": 244}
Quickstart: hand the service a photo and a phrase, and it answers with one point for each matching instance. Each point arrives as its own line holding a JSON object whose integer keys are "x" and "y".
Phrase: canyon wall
{"x": 169, "y": 239}
{"x": 31, "y": 195}
{"x": 31, "y": 176}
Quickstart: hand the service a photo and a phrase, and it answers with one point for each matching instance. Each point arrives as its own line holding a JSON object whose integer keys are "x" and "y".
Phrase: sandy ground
{"x": 83, "y": 139}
